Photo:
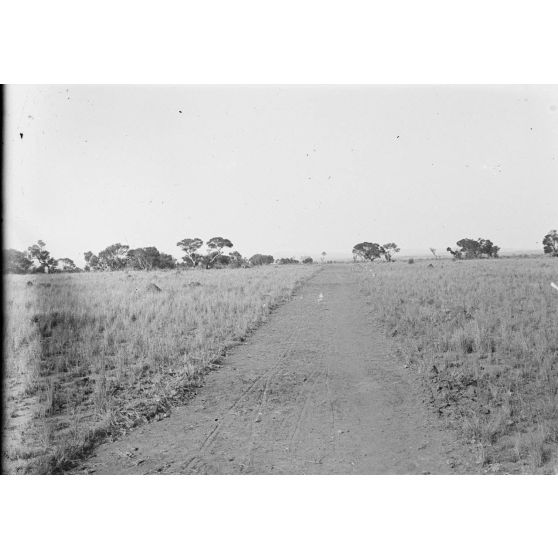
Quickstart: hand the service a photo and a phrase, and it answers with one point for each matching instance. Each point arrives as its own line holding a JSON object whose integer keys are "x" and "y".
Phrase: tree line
{"x": 37, "y": 259}
{"x": 467, "y": 248}
{"x": 371, "y": 251}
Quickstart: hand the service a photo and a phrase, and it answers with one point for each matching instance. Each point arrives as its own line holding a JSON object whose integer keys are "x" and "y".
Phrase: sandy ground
{"x": 316, "y": 390}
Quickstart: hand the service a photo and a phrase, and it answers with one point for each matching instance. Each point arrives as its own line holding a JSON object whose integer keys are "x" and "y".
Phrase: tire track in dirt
{"x": 305, "y": 398}
{"x": 261, "y": 408}
{"x": 316, "y": 390}
{"x": 210, "y": 439}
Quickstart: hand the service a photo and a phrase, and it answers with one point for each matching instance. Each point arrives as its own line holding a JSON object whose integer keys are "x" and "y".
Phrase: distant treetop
{"x": 550, "y": 243}
{"x": 473, "y": 249}
{"x": 371, "y": 251}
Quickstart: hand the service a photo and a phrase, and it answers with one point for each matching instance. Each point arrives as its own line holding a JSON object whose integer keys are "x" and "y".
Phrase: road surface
{"x": 316, "y": 390}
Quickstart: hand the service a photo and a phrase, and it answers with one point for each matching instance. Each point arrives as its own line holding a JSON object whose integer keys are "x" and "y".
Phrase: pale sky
{"x": 280, "y": 170}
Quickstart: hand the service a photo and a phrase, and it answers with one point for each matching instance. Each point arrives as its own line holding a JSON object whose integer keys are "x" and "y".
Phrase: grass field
{"x": 92, "y": 355}
{"x": 484, "y": 337}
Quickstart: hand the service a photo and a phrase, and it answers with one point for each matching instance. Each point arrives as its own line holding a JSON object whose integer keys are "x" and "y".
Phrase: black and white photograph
{"x": 279, "y": 279}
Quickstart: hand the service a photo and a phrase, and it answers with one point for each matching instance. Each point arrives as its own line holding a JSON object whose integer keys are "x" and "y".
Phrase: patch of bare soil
{"x": 317, "y": 390}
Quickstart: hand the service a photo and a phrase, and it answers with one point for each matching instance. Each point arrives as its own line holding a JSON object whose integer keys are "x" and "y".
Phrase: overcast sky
{"x": 280, "y": 170}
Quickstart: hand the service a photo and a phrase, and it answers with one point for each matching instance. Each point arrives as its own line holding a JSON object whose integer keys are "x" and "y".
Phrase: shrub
{"x": 261, "y": 259}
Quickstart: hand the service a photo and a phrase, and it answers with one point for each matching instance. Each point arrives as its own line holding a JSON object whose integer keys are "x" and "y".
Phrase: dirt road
{"x": 316, "y": 390}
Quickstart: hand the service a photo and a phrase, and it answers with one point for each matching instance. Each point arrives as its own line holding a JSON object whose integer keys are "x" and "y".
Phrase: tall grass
{"x": 91, "y": 355}
{"x": 484, "y": 336}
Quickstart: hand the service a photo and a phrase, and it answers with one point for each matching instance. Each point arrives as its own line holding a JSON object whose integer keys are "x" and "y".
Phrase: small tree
{"x": 472, "y": 249}
{"x": 550, "y": 243}
{"x": 16, "y": 261}
{"x": 45, "y": 263}
{"x": 91, "y": 261}
{"x": 236, "y": 260}
{"x": 469, "y": 248}
{"x": 114, "y": 257}
{"x": 368, "y": 251}
{"x": 307, "y": 260}
{"x": 190, "y": 247}
{"x": 150, "y": 258}
{"x": 433, "y": 250}
{"x": 389, "y": 249}
{"x": 166, "y": 261}
{"x": 140, "y": 258}
{"x": 324, "y": 254}
{"x": 67, "y": 265}
{"x": 455, "y": 253}
{"x": 488, "y": 248}
{"x": 211, "y": 261}
{"x": 215, "y": 247}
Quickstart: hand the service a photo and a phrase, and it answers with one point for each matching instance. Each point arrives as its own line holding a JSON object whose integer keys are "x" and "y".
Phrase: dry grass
{"x": 484, "y": 336}
{"x": 92, "y": 355}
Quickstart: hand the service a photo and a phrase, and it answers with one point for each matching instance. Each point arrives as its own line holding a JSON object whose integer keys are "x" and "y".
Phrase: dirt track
{"x": 315, "y": 390}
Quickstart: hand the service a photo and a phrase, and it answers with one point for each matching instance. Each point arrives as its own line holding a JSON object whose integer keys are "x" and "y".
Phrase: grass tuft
{"x": 96, "y": 354}
{"x": 484, "y": 337}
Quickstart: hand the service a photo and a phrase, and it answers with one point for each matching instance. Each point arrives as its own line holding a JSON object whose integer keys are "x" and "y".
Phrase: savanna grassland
{"x": 483, "y": 335}
{"x": 92, "y": 355}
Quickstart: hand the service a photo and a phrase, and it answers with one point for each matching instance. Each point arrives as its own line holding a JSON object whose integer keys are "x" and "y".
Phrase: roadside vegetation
{"x": 91, "y": 355}
{"x": 469, "y": 249}
{"x": 118, "y": 257}
{"x": 483, "y": 335}
{"x": 370, "y": 251}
